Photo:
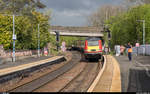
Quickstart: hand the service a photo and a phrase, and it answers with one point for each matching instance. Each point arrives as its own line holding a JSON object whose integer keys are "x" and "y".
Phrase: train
{"x": 91, "y": 48}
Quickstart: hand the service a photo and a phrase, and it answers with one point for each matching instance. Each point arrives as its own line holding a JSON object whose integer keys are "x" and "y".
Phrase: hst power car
{"x": 93, "y": 48}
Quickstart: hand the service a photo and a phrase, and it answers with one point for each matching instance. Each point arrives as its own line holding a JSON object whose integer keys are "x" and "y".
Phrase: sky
{"x": 74, "y": 12}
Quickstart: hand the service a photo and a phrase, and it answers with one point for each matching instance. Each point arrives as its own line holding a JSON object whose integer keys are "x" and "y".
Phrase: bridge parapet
{"x": 77, "y": 31}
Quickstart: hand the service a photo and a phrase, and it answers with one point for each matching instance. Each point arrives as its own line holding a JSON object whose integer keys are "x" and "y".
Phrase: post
{"x": 13, "y": 38}
{"x": 57, "y": 40}
{"x": 144, "y": 36}
{"x": 38, "y": 40}
{"x": 136, "y": 51}
{"x": 143, "y": 31}
{"x": 109, "y": 37}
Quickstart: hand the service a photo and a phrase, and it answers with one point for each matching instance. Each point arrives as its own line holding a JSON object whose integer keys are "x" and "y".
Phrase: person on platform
{"x": 129, "y": 47}
{"x": 122, "y": 48}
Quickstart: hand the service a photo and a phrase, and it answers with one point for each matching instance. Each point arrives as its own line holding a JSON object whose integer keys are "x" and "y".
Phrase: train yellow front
{"x": 93, "y": 48}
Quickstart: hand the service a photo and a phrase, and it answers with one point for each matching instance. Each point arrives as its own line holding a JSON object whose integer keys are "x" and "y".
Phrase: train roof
{"x": 93, "y": 38}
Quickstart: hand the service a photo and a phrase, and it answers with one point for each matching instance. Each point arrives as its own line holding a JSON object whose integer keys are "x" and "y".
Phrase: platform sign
{"x": 14, "y": 37}
{"x": 63, "y": 44}
{"x": 45, "y": 51}
{"x": 63, "y": 47}
{"x": 137, "y": 45}
{"x": 106, "y": 49}
{"x": 117, "y": 49}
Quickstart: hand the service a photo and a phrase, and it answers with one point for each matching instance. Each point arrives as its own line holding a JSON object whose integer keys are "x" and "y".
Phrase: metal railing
{"x": 140, "y": 50}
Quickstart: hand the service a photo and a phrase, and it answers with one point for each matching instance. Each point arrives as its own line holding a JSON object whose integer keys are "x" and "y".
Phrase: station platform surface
{"x": 109, "y": 79}
{"x": 122, "y": 75}
{"x": 11, "y": 67}
{"x": 135, "y": 74}
{"x": 31, "y": 59}
{"x": 125, "y": 65}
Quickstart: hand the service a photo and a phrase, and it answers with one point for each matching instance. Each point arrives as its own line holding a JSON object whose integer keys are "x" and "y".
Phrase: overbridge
{"x": 77, "y": 31}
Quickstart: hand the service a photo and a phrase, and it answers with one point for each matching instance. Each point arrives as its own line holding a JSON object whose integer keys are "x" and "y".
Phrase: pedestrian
{"x": 122, "y": 48}
{"x": 129, "y": 47}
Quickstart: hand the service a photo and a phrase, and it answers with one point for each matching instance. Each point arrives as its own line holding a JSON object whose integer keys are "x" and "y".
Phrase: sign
{"x": 63, "y": 44}
{"x": 117, "y": 49}
{"x": 63, "y": 47}
{"x": 137, "y": 45}
{"x": 106, "y": 49}
{"x": 45, "y": 51}
{"x": 14, "y": 37}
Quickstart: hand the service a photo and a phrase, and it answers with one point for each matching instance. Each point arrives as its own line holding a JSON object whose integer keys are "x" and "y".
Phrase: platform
{"x": 27, "y": 60}
{"x": 135, "y": 74}
{"x": 25, "y": 66}
{"x": 109, "y": 79}
{"x": 12, "y": 72}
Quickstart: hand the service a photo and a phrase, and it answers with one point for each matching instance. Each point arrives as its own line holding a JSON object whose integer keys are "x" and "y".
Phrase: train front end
{"x": 93, "y": 48}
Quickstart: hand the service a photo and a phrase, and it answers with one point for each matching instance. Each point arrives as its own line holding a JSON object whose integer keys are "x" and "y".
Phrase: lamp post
{"x": 38, "y": 40}
{"x": 14, "y": 38}
{"x": 143, "y": 34}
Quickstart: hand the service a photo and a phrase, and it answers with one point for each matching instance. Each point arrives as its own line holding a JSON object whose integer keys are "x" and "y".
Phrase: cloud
{"x": 74, "y": 12}
{"x": 69, "y": 18}
{"x": 61, "y": 5}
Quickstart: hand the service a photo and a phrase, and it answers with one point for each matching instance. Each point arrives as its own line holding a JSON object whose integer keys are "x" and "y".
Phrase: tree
{"x": 25, "y": 25}
{"x": 20, "y": 6}
{"x": 133, "y": 3}
{"x": 125, "y": 27}
{"x": 99, "y": 17}
{"x": 139, "y": 1}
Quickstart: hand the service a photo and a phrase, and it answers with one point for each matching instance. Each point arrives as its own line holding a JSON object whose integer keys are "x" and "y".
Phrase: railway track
{"x": 42, "y": 80}
{"x": 84, "y": 74}
{"x": 75, "y": 76}
{"x": 84, "y": 79}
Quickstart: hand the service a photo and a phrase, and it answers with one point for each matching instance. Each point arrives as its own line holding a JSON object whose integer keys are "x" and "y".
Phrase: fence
{"x": 142, "y": 49}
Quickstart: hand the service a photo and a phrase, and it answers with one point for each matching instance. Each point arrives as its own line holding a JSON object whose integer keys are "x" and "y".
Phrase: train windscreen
{"x": 93, "y": 43}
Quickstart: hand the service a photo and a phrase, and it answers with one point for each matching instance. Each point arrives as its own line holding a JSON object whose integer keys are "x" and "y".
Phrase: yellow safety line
{"x": 116, "y": 80}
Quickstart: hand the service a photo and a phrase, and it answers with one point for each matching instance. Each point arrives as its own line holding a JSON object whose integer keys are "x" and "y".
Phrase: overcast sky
{"x": 74, "y": 12}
